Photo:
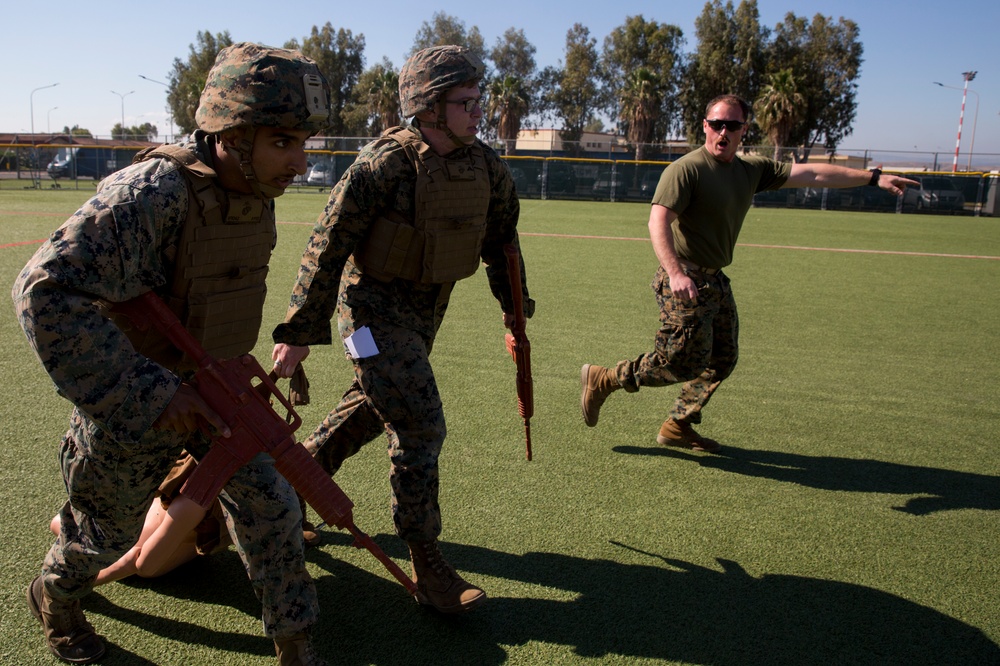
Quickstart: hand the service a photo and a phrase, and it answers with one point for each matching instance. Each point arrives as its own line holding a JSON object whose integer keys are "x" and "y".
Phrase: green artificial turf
{"x": 853, "y": 516}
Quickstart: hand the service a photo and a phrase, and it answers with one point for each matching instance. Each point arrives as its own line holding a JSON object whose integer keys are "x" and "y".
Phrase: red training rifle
{"x": 238, "y": 390}
{"x": 518, "y": 346}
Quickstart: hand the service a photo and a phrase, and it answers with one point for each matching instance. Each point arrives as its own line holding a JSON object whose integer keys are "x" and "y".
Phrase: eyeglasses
{"x": 467, "y": 104}
{"x": 731, "y": 125}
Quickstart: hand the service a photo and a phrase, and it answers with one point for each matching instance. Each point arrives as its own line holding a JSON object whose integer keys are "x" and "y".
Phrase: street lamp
{"x": 968, "y": 77}
{"x": 48, "y": 120}
{"x": 123, "y": 109}
{"x": 34, "y": 150}
{"x": 170, "y": 115}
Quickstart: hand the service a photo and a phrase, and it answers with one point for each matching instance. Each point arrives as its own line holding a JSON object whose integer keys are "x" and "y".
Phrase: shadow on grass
{"x": 669, "y": 609}
{"x": 932, "y": 489}
{"x": 683, "y": 612}
{"x": 219, "y": 580}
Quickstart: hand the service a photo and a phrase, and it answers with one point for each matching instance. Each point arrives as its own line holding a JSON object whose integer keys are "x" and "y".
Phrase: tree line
{"x": 801, "y": 77}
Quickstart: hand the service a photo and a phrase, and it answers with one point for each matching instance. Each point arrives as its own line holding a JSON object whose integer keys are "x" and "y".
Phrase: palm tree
{"x": 640, "y": 102}
{"x": 508, "y": 103}
{"x": 779, "y": 108}
{"x": 383, "y": 100}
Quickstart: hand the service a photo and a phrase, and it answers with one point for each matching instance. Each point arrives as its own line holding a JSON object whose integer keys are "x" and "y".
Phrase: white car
{"x": 933, "y": 193}
{"x": 321, "y": 174}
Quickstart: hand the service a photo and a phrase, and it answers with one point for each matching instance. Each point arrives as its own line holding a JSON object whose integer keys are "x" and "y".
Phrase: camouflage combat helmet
{"x": 431, "y": 71}
{"x": 259, "y": 86}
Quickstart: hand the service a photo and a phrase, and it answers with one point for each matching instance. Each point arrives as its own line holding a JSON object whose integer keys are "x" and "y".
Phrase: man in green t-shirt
{"x": 695, "y": 219}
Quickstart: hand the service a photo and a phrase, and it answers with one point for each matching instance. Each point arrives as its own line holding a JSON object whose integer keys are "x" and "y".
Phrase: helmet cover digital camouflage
{"x": 260, "y": 86}
{"x": 432, "y": 71}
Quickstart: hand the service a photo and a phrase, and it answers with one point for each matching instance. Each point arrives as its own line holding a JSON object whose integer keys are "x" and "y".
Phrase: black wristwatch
{"x": 876, "y": 173}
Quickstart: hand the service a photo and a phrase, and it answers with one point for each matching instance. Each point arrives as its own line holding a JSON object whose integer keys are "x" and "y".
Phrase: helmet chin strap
{"x": 442, "y": 124}
{"x": 245, "y": 151}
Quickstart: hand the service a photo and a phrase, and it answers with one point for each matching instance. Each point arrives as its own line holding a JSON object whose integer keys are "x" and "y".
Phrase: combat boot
{"x": 680, "y": 433}
{"x": 67, "y": 632}
{"x": 597, "y": 383}
{"x": 296, "y": 650}
{"x": 309, "y": 533}
{"x": 438, "y": 584}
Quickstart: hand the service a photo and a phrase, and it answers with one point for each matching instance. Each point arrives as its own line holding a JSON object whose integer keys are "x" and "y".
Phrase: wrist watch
{"x": 876, "y": 173}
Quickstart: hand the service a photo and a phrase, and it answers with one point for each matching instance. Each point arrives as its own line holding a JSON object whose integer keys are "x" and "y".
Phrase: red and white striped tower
{"x": 958, "y": 142}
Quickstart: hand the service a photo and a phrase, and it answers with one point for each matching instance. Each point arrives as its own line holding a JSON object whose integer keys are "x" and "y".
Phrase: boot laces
{"x": 67, "y": 617}
{"x": 436, "y": 560}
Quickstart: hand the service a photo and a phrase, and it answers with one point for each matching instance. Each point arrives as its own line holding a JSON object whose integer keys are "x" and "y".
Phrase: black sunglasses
{"x": 731, "y": 125}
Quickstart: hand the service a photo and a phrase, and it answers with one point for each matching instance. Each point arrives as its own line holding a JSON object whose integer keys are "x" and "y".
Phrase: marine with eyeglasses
{"x": 421, "y": 208}
{"x": 694, "y": 221}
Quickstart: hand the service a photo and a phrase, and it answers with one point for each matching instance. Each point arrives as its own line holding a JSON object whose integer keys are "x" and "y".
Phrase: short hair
{"x": 732, "y": 100}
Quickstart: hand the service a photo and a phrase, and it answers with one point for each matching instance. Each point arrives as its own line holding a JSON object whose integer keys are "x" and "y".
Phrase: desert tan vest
{"x": 220, "y": 265}
{"x": 444, "y": 241}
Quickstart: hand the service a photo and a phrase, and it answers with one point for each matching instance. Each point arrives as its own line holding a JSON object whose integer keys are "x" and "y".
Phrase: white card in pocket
{"x": 360, "y": 344}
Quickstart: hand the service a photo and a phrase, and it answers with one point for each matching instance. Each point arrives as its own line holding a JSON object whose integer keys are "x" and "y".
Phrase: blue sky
{"x": 91, "y": 49}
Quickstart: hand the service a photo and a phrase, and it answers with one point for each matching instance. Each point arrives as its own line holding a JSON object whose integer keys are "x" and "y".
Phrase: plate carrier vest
{"x": 444, "y": 241}
{"x": 220, "y": 265}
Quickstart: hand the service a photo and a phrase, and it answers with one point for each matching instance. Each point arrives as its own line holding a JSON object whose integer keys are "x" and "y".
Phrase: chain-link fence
{"x": 612, "y": 176}
{"x": 55, "y": 165}
{"x": 621, "y": 180}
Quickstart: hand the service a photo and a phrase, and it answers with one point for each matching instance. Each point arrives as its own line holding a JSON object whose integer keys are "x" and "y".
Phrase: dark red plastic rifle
{"x": 238, "y": 390}
{"x": 518, "y": 346}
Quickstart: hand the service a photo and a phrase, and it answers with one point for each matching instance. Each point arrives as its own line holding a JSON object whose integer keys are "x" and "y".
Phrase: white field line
{"x": 787, "y": 247}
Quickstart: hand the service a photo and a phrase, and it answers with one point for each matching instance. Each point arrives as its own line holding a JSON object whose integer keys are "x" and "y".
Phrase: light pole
{"x": 958, "y": 142}
{"x": 34, "y": 150}
{"x": 123, "y": 109}
{"x": 48, "y": 120}
{"x": 170, "y": 115}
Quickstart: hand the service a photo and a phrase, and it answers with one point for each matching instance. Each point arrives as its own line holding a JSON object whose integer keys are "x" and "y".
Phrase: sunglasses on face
{"x": 467, "y": 104}
{"x": 731, "y": 125}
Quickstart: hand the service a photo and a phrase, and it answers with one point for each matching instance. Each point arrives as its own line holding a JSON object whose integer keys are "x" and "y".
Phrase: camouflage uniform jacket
{"x": 382, "y": 179}
{"x": 118, "y": 245}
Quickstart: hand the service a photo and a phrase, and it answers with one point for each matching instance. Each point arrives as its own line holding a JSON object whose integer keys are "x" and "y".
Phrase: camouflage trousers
{"x": 110, "y": 487}
{"x": 697, "y": 344}
{"x": 393, "y": 392}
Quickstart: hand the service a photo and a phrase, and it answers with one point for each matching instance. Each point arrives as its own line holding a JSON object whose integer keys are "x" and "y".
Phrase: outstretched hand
{"x": 895, "y": 184}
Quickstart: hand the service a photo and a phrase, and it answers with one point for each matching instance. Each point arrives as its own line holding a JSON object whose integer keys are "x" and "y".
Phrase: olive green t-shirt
{"x": 711, "y": 198}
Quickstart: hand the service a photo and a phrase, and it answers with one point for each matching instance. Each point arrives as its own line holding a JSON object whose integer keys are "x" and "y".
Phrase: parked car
{"x": 875, "y": 198}
{"x": 87, "y": 162}
{"x": 321, "y": 174}
{"x": 606, "y": 183}
{"x": 828, "y": 198}
{"x": 561, "y": 177}
{"x": 933, "y": 193}
{"x": 650, "y": 180}
{"x": 520, "y": 180}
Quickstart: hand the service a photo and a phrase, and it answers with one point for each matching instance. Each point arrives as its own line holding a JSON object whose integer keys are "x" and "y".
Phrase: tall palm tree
{"x": 640, "y": 102}
{"x": 383, "y": 100}
{"x": 508, "y": 104}
{"x": 780, "y": 107}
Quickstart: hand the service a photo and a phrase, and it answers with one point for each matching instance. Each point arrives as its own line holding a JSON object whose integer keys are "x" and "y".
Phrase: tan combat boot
{"x": 309, "y": 533}
{"x": 70, "y": 637}
{"x": 296, "y": 650}
{"x": 597, "y": 383}
{"x": 438, "y": 584}
{"x": 680, "y": 433}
